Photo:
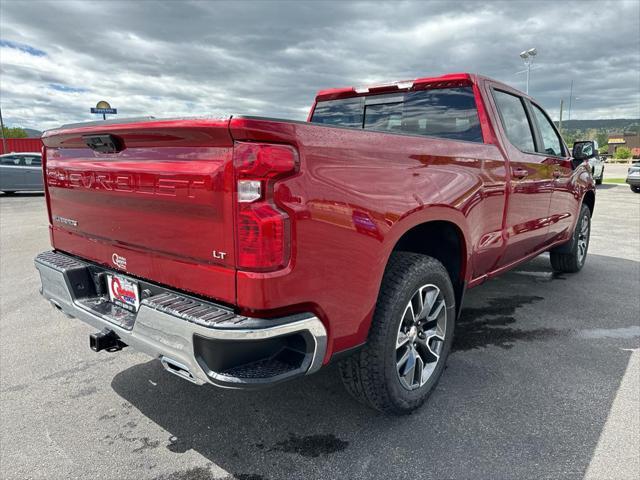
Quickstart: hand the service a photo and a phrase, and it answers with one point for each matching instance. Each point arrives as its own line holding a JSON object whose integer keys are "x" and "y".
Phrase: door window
{"x": 32, "y": 160}
{"x": 514, "y": 120}
{"x": 10, "y": 160}
{"x": 551, "y": 144}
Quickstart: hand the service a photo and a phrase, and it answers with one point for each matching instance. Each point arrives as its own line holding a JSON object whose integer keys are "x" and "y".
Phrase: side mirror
{"x": 584, "y": 150}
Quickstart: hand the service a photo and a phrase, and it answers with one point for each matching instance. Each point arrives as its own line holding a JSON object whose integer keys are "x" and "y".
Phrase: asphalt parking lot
{"x": 543, "y": 383}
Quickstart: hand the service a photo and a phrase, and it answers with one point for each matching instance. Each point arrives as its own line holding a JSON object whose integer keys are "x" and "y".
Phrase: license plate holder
{"x": 123, "y": 292}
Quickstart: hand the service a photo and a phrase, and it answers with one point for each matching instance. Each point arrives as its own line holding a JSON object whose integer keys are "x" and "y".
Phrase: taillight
{"x": 45, "y": 182}
{"x": 263, "y": 229}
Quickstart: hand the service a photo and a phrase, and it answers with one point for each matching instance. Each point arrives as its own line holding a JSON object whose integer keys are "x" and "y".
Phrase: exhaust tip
{"x": 177, "y": 368}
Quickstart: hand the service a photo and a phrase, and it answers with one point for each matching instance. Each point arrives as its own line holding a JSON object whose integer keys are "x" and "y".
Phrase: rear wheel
{"x": 570, "y": 258}
{"x": 410, "y": 337}
{"x": 635, "y": 188}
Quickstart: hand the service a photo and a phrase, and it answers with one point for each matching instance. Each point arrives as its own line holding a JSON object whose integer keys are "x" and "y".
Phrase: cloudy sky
{"x": 171, "y": 58}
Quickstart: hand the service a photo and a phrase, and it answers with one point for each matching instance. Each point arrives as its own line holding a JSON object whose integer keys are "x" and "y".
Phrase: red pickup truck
{"x": 245, "y": 251}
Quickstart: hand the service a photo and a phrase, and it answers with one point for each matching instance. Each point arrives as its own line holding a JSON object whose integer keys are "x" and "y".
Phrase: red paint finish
{"x": 166, "y": 208}
{"x": 168, "y": 201}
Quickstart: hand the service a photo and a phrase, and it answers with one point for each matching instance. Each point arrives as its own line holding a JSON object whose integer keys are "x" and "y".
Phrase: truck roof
{"x": 448, "y": 80}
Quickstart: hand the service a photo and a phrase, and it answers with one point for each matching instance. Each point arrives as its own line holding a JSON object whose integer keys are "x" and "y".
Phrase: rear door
{"x": 32, "y": 171}
{"x": 159, "y": 207}
{"x": 526, "y": 223}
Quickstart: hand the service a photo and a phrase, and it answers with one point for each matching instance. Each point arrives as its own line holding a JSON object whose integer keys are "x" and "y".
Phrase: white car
{"x": 21, "y": 171}
{"x": 597, "y": 169}
{"x": 595, "y": 162}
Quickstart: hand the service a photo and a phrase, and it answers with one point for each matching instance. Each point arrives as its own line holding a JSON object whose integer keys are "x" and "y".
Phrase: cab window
{"x": 551, "y": 143}
{"x": 514, "y": 120}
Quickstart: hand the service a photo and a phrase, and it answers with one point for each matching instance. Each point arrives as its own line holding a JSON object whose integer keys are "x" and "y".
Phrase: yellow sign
{"x": 103, "y": 104}
{"x": 616, "y": 140}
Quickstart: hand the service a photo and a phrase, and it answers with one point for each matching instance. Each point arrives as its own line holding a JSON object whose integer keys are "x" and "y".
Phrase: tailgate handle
{"x": 104, "y": 143}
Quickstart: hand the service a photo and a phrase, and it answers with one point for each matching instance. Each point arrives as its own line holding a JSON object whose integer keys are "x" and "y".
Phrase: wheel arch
{"x": 589, "y": 199}
{"x": 443, "y": 240}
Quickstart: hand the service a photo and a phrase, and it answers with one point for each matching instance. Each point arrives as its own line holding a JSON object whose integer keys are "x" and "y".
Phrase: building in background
{"x": 21, "y": 145}
{"x": 629, "y": 140}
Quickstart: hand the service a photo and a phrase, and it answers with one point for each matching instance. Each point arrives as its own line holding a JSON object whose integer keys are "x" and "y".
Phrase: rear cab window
{"x": 348, "y": 112}
{"x": 439, "y": 112}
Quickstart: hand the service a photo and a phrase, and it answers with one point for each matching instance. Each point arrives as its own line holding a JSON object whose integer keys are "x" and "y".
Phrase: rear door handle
{"x": 519, "y": 173}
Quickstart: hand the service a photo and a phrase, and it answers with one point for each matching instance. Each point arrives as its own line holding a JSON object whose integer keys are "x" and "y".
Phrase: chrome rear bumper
{"x": 198, "y": 340}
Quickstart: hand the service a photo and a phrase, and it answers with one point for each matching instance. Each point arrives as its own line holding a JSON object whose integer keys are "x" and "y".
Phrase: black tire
{"x": 635, "y": 188}
{"x": 570, "y": 258}
{"x": 372, "y": 374}
{"x": 599, "y": 180}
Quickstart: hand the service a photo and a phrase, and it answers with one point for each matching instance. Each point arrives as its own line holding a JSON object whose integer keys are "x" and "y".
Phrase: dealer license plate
{"x": 123, "y": 292}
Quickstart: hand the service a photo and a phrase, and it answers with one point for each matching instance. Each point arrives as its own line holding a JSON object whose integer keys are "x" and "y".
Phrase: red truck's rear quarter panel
{"x": 357, "y": 192}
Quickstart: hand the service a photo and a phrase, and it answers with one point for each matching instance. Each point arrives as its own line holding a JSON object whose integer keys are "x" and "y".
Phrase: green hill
{"x": 600, "y": 130}
{"x": 611, "y": 125}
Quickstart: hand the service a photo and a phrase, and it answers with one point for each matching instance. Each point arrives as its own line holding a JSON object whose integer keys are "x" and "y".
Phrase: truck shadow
{"x": 482, "y": 421}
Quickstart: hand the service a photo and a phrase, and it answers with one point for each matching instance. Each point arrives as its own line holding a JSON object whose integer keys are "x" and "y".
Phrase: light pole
{"x": 527, "y": 57}
{"x": 570, "y": 98}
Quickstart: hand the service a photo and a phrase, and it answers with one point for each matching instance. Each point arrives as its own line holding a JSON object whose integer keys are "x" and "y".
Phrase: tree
{"x": 622, "y": 153}
{"x": 14, "y": 132}
{"x": 569, "y": 137}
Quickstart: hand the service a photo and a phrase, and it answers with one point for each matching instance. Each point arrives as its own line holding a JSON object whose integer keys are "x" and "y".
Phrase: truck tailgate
{"x": 159, "y": 205}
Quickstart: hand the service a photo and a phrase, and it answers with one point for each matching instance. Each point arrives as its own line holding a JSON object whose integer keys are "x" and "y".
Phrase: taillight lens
{"x": 263, "y": 229}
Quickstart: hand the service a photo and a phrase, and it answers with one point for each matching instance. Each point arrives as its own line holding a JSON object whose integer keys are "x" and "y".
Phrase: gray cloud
{"x": 256, "y": 57}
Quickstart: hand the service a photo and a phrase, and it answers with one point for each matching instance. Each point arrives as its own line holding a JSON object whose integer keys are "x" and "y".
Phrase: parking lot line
{"x": 617, "y": 455}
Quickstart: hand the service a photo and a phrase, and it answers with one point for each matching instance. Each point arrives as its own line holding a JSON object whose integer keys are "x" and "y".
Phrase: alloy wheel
{"x": 583, "y": 238}
{"x": 421, "y": 336}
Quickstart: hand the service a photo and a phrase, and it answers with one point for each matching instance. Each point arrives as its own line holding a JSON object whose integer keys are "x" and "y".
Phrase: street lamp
{"x": 527, "y": 57}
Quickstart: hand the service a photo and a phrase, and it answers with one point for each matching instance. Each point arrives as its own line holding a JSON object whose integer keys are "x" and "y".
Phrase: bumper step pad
{"x": 196, "y": 339}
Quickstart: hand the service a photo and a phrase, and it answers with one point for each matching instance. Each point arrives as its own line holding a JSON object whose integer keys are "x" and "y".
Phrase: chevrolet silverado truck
{"x": 245, "y": 251}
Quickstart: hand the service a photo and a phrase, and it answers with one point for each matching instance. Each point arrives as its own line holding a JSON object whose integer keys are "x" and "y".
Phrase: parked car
{"x": 597, "y": 169}
{"x": 633, "y": 177}
{"x": 245, "y": 251}
{"x": 21, "y": 171}
{"x": 596, "y": 162}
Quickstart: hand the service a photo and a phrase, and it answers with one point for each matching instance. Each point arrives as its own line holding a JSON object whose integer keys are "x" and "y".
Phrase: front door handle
{"x": 519, "y": 173}
{"x": 557, "y": 173}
